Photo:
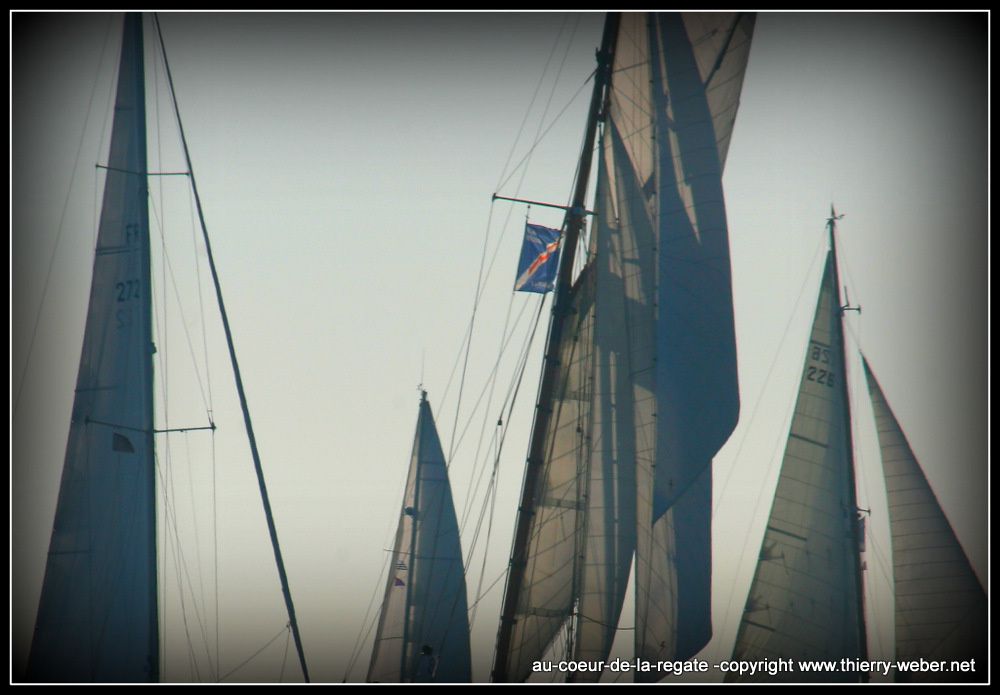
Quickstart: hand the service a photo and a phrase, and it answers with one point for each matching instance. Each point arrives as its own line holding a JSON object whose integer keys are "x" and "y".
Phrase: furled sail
{"x": 675, "y": 94}
{"x": 941, "y": 607}
{"x": 423, "y": 631}
{"x": 804, "y": 600}
{"x": 97, "y": 618}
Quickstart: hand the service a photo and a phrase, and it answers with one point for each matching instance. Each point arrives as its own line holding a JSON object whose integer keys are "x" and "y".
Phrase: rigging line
{"x": 494, "y": 479}
{"x": 197, "y": 546}
{"x": 62, "y": 223}
{"x": 481, "y": 280}
{"x": 255, "y": 654}
{"x": 468, "y": 343}
{"x": 531, "y": 103}
{"x": 173, "y": 542}
{"x": 168, "y": 268}
{"x": 494, "y": 486}
{"x": 363, "y": 633}
{"x": 201, "y": 303}
{"x": 284, "y": 659}
{"x": 489, "y": 501}
{"x": 548, "y": 102}
{"x": 490, "y": 588}
{"x": 518, "y": 371}
{"x": 511, "y": 398}
{"x": 492, "y": 381}
{"x": 215, "y": 558}
{"x": 524, "y": 171}
{"x": 489, "y": 271}
{"x": 170, "y": 512}
{"x": 555, "y": 120}
{"x": 236, "y": 373}
{"x": 770, "y": 373}
{"x": 781, "y": 434}
{"x": 388, "y": 539}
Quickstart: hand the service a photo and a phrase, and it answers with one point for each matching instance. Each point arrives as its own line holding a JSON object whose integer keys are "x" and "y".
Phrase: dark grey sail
{"x": 97, "y": 618}
{"x": 423, "y": 630}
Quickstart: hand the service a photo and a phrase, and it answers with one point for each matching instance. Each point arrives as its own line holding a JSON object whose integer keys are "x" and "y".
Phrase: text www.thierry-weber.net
{"x": 750, "y": 669}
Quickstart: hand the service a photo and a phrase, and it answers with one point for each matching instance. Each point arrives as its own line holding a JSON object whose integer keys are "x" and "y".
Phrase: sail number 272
{"x": 820, "y": 375}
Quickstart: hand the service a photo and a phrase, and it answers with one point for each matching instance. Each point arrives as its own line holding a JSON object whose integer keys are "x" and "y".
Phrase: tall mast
{"x": 574, "y": 222}
{"x": 831, "y": 224}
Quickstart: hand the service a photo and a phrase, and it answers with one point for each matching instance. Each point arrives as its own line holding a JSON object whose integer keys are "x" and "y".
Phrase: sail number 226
{"x": 820, "y": 375}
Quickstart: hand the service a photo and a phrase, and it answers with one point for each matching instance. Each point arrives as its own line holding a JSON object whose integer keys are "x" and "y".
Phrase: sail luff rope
{"x": 236, "y": 373}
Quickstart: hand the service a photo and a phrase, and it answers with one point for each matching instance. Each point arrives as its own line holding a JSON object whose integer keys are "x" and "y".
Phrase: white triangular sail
{"x": 423, "y": 633}
{"x": 804, "y": 600}
{"x": 97, "y": 618}
{"x": 941, "y": 608}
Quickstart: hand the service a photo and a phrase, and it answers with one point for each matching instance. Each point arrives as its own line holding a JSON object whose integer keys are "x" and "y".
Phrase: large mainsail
{"x": 423, "y": 632}
{"x": 640, "y": 391}
{"x": 675, "y": 93}
{"x": 805, "y": 600}
{"x": 941, "y": 607}
{"x": 97, "y": 618}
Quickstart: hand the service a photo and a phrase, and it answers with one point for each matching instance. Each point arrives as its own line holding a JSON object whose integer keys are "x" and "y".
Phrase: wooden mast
{"x": 574, "y": 222}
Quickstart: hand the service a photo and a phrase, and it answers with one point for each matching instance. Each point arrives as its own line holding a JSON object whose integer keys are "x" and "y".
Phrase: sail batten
{"x": 423, "y": 630}
{"x": 97, "y": 617}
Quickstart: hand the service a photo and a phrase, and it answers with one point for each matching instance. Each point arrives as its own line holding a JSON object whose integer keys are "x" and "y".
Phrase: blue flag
{"x": 536, "y": 271}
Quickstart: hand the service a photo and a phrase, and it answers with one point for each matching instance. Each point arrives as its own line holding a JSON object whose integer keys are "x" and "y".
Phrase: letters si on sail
{"x": 423, "y": 630}
{"x": 646, "y": 390}
{"x": 97, "y": 618}
{"x": 940, "y": 606}
{"x": 536, "y": 270}
{"x": 804, "y": 602}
